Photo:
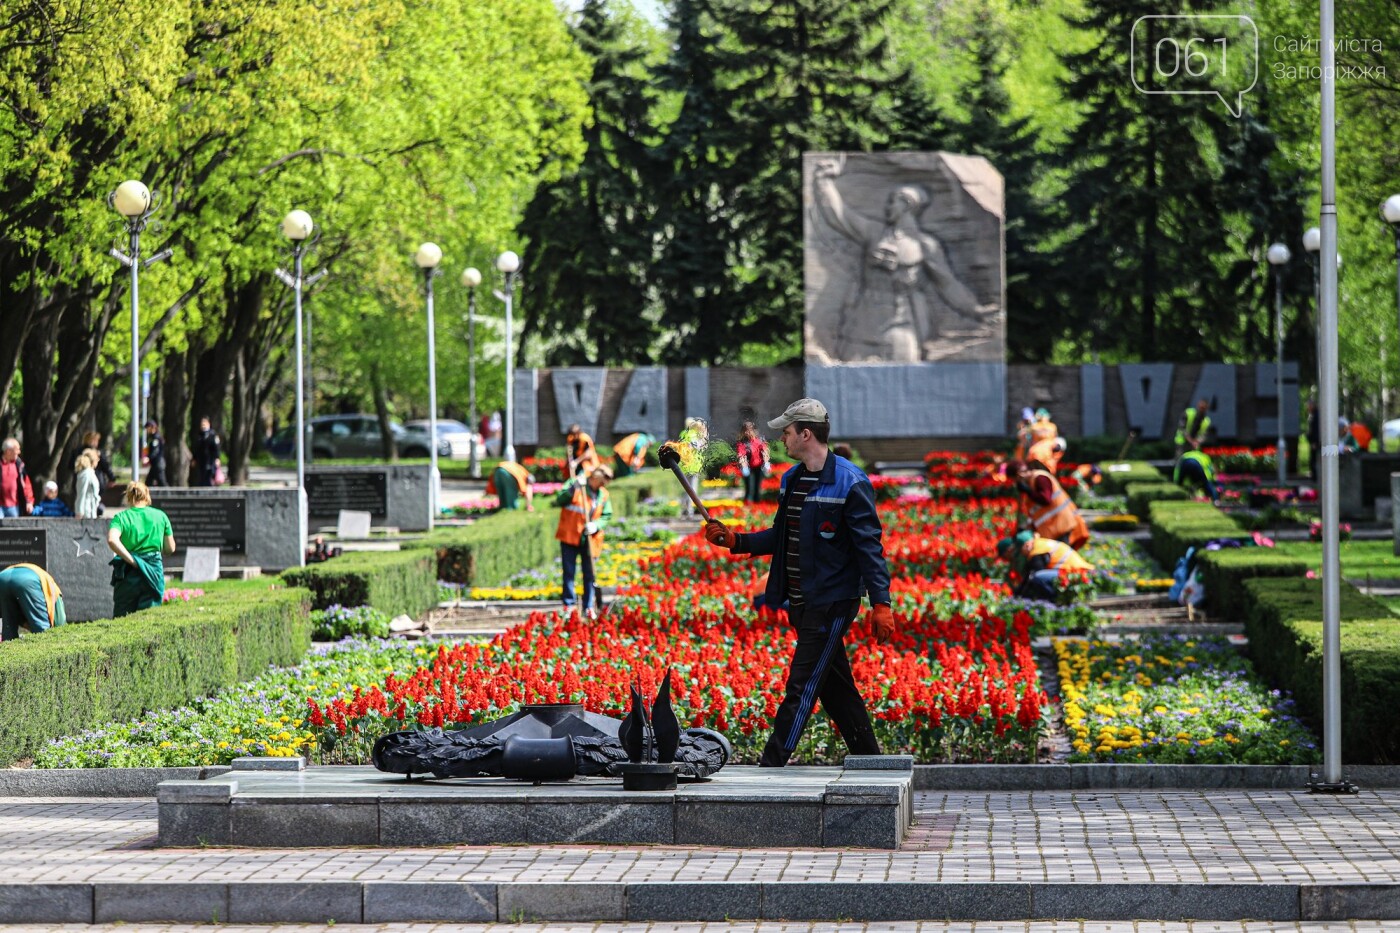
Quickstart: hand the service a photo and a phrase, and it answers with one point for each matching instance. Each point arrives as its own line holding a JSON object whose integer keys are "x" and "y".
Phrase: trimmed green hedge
{"x": 71, "y": 678}
{"x": 1139, "y": 471}
{"x": 1177, "y": 526}
{"x": 1285, "y": 641}
{"x": 394, "y": 582}
{"x": 1224, "y": 572}
{"x": 488, "y": 551}
{"x": 1142, "y": 495}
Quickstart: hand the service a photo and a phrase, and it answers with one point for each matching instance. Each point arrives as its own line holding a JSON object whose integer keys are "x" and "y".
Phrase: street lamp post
{"x": 297, "y": 227}
{"x": 1278, "y": 258}
{"x": 135, "y": 202}
{"x": 471, "y": 278}
{"x": 427, "y": 258}
{"x": 509, "y": 264}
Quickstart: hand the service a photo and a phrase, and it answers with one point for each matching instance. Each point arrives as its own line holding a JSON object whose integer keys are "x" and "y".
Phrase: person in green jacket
{"x": 29, "y": 598}
{"x": 138, "y": 536}
{"x": 1191, "y": 429}
{"x": 1195, "y": 469}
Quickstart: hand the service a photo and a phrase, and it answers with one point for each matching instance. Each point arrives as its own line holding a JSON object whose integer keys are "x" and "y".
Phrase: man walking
{"x": 206, "y": 453}
{"x": 155, "y": 456}
{"x": 826, "y": 549}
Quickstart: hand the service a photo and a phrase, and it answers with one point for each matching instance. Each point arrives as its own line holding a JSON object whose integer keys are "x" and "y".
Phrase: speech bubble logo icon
{"x": 1196, "y": 54}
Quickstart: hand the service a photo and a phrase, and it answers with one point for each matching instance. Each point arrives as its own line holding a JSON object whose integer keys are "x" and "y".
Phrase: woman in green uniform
{"x": 137, "y": 536}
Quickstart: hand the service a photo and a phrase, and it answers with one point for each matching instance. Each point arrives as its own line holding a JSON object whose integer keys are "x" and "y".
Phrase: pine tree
{"x": 695, "y": 220}
{"x": 795, "y": 76}
{"x": 1010, "y": 144}
{"x": 589, "y": 232}
{"x": 1144, "y": 206}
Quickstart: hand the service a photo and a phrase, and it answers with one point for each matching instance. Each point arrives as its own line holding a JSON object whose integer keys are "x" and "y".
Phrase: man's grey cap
{"x": 804, "y": 409}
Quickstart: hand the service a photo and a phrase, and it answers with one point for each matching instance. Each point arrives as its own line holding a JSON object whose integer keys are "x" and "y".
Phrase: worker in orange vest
{"x": 1048, "y": 453}
{"x": 1045, "y": 506}
{"x": 586, "y": 512}
{"x": 1039, "y": 563}
{"x": 630, "y": 453}
{"x": 513, "y": 485}
{"x": 582, "y": 452}
{"x": 1043, "y": 429}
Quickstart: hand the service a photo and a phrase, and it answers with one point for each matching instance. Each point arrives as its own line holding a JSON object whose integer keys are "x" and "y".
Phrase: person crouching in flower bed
{"x": 137, "y": 536}
{"x": 587, "y": 511}
{"x": 1038, "y": 562}
{"x": 513, "y": 486}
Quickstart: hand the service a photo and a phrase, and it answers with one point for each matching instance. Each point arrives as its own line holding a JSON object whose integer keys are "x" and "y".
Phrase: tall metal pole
{"x": 1282, "y": 453}
{"x": 508, "y": 451}
{"x": 1397, "y": 276}
{"x": 135, "y": 354}
{"x": 433, "y": 477}
{"x": 1327, "y": 435}
{"x": 471, "y": 379}
{"x": 310, "y": 394}
{"x": 301, "y": 410}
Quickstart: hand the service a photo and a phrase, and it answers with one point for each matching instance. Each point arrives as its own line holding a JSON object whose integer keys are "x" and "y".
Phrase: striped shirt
{"x": 802, "y": 483}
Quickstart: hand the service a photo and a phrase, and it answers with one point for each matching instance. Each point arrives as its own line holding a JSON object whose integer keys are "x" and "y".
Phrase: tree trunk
{"x": 381, "y": 408}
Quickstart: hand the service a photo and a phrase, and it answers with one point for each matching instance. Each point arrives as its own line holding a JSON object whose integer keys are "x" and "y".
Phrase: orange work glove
{"x": 882, "y": 621}
{"x": 720, "y": 535}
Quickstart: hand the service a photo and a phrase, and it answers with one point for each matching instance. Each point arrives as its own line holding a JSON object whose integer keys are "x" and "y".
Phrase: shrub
{"x": 1116, "y": 478}
{"x": 1177, "y": 526}
{"x": 336, "y": 622}
{"x": 396, "y": 582}
{"x": 1142, "y": 494}
{"x": 67, "y": 679}
{"x": 488, "y": 551}
{"x": 1224, "y": 572}
{"x": 1285, "y": 639}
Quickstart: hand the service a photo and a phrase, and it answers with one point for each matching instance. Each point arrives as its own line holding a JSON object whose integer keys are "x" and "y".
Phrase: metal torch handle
{"x": 685, "y": 484}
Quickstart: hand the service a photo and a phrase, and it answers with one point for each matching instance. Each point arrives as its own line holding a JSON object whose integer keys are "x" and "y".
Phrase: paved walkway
{"x": 1190, "y": 837}
{"x": 1041, "y": 926}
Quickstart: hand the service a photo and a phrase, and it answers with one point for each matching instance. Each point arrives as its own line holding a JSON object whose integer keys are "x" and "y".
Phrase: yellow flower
{"x": 1284, "y": 742}
{"x": 1159, "y": 710}
{"x": 167, "y": 744}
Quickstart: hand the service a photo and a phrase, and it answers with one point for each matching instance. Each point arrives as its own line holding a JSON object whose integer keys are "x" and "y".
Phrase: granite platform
{"x": 740, "y": 807}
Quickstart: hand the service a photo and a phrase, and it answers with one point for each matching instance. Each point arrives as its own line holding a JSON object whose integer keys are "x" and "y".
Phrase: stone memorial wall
{"x": 249, "y": 527}
{"x": 394, "y": 496}
{"x": 73, "y": 550}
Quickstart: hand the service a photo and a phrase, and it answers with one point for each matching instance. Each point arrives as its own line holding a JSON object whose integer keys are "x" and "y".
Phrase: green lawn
{"x": 1359, "y": 558}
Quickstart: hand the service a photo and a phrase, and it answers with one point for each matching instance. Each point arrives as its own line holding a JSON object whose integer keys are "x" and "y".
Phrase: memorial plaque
{"x": 328, "y": 494}
{"x": 207, "y": 521}
{"x": 23, "y": 546}
{"x": 353, "y": 526}
{"x": 201, "y": 565}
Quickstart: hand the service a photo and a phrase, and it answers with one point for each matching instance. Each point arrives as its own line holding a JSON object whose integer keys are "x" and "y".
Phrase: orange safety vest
{"x": 1059, "y": 518}
{"x": 1062, "y": 556}
{"x": 1044, "y": 452}
{"x": 583, "y": 450}
{"x": 579, "y": 512}
{"x": 522, "y": 477}
{"x": 627, "y": 447}
{"x": 49, "y": 585}
{"x": 1044, "y": 431}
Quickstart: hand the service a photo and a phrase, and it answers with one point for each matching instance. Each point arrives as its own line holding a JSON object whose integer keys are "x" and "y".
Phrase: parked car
{"x": 455, "y": 433}
{"x": 332, "y": 436}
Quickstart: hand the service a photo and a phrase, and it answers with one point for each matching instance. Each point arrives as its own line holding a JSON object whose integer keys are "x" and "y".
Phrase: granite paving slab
{"x": 1225, "y": 854}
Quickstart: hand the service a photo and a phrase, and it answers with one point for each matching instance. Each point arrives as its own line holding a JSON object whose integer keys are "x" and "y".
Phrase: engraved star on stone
{"x": 87, "y": 542}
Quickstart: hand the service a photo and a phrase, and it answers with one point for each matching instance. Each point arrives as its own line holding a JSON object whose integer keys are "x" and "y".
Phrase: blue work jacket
{"x": 839, "y": 548}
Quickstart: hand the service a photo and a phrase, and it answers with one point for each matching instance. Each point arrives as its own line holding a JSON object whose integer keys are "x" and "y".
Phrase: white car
{"x": 456, "y": 434}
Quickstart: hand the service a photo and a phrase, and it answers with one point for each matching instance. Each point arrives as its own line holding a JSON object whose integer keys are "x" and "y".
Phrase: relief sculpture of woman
{"x": 896, "y": 314}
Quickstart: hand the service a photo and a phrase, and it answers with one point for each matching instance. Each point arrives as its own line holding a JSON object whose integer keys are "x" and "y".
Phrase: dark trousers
{"x": 155, "y": 476}
{"x": 569, "y": 555}
{"x": 753, "y": 485}
{"x": 820, "y": 670}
